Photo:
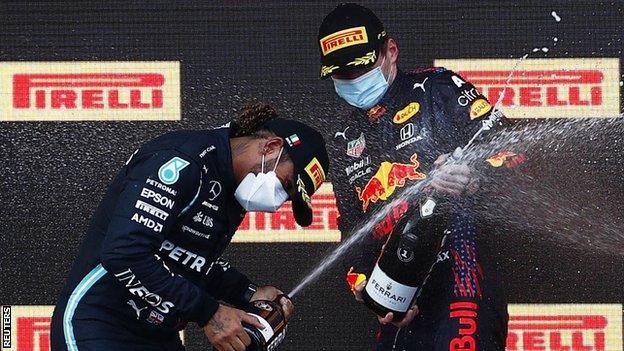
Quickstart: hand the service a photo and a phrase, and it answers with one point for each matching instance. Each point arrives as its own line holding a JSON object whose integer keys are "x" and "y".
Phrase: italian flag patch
{"x": 293, "y": 140}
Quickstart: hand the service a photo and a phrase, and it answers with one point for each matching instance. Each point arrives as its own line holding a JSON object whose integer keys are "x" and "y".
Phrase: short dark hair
{"x": 250, "y": 123}
{"x": 251, "y": 120}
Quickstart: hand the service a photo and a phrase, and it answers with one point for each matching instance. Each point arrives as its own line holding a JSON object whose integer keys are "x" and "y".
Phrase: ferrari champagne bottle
{"x": 404, "y": 263}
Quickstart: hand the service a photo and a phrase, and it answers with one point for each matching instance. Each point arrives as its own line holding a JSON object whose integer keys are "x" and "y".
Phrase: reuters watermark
{"x": 90, "y": 91}
{"x": 26, "y": 328}
{"x": 6, "y": 327}
{"x": 545, "y": 88}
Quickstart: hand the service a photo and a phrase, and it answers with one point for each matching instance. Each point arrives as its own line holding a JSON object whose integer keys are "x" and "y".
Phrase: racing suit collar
{"x": 225, "y": 161}
{"x": 393, "y": 90}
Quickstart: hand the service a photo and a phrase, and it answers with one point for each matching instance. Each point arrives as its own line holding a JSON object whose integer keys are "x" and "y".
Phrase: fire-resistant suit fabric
{"x": 150, "y": 261}
{"x": 382, "y": 151}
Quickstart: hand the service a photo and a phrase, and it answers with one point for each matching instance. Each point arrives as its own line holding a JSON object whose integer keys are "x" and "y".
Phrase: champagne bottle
{"x": 404, "y": 262}
{"x": 271, "y": 315}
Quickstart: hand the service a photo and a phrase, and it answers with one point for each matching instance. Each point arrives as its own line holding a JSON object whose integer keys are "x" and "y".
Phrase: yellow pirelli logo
{"x": 90, "y": 91}
{"x": 557, "y": 327}
{"x": 544, "y": 88}
{"x": 344, "y": 38}
{"x": 316, "y": 173}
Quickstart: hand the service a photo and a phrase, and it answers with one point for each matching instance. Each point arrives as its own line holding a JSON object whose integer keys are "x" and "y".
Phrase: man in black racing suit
{"x": 151, "y": 262}
{"x": 405, "y": 125}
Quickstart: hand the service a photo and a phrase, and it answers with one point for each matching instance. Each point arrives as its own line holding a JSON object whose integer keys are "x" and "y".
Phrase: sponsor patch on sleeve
{"x": 479, "y": 108}
{"x": 169, "y": 173}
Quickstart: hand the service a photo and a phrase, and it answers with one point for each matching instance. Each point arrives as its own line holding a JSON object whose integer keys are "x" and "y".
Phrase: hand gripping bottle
{"x": 271, "y": 315}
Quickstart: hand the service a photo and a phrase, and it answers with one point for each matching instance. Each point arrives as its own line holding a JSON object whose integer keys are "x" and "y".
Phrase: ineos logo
{"x": 407, "y": 131}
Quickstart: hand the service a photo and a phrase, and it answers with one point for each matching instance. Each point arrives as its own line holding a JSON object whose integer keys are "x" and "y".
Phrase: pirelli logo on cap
{"x": 544, "y": 88}
{"x": 557, "y": 327}
{"x": 89, "y": 91}
{"x": 344, "y": 38}
{"x": 316, "y": 173}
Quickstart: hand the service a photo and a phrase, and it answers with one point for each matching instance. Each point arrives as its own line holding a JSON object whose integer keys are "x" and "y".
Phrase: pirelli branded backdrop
{"x": 83, "y": 84}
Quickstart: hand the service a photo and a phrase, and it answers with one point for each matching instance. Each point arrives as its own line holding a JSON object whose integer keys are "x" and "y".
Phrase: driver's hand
{"x": 453, "y": 179}
{"x": 225, "y": 330}
{"x": 409, "y": 317}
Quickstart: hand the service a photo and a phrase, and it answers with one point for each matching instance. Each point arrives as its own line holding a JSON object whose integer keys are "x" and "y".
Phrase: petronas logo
{"x": 170, "y": 171}
{"x": 364, "y": 60}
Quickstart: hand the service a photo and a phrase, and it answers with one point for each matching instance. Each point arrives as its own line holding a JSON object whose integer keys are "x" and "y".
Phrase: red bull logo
{"x": 376, "y": 112}
{"x": 466, "y": 315}
{"x": 386, "y": 225}
{"x": 388, "y": 177}
{"x": 354, "y": 279}
{"x": 506, "y": 158}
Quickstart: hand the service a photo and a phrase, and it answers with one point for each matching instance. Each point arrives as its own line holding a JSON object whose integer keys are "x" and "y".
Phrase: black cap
{"x": 306, "y": 148}
{"x": 350, "y": 37}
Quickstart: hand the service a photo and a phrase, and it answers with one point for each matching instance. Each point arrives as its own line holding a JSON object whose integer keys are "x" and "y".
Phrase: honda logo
{"x": 407, "y": 131}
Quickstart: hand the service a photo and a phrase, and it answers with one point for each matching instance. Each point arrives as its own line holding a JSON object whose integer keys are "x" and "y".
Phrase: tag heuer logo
{"x": 356, "y": 147}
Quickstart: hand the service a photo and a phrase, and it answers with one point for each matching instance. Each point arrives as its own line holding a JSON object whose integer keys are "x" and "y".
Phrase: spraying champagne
{"x": 407, "y": 258}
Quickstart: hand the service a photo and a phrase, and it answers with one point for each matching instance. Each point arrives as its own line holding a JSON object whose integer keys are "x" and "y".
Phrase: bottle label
{"x": 389, "y": 293}
{"x": 268, "y": 331}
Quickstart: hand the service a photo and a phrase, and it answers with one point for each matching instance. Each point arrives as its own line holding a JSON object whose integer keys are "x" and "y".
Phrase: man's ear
{"x": 392, "y": 51}
{"x": 273, "y": 145}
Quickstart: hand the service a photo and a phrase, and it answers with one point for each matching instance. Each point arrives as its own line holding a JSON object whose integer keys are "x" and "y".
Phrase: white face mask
{"x": 262, "y": 192}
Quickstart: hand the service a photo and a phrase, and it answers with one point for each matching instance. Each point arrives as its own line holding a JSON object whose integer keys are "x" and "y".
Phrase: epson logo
{"x": 157, "y": 198}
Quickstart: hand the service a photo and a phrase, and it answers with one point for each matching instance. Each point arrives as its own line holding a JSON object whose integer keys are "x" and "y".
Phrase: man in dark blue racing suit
{"x": 405, "y": 126}
{"x": 151, "y": 262}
